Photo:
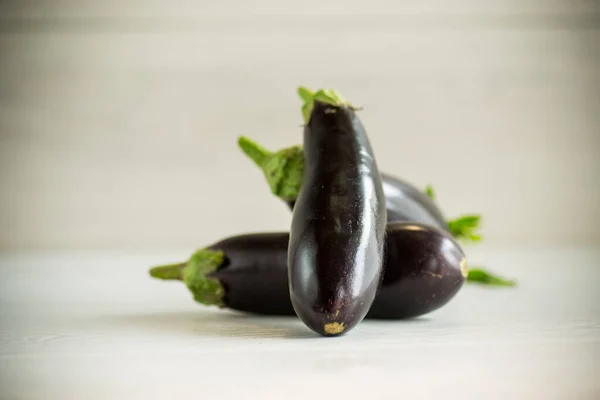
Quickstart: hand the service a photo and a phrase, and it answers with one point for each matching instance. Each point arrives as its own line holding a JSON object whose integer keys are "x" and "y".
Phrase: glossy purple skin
{"x": 335, "y": 254}
{"x": 406, "y": 203}
{"x": 424, "y": 269}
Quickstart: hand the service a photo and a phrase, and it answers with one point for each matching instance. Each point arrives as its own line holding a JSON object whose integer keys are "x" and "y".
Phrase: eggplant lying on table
{"x": 424, "y": 268}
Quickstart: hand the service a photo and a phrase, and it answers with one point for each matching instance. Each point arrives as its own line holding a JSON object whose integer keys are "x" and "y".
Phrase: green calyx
{"x": 429, "y": 192}
{"x": 481, "y": 276}
{"x": 194, "y": 273}
{"x": 283, "y": 170}
{"x": 207, "y": 291}
{"x": 325, "y": 96}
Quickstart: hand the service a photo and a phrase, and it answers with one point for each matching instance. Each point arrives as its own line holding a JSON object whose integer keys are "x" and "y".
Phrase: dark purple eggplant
{"x": 284, "y": 170}
{"x": 424, "y": 269}
{"x": 335, "y": 253}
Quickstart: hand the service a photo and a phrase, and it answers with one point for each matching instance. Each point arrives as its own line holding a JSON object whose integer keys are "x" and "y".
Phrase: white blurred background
{"x": 119, "y": 119}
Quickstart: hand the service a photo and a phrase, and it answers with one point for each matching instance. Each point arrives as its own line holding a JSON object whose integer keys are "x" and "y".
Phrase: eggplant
{"x": 424, "y": 269}
{"x": 284, "y": 169}
{"x": 335, "y": 252}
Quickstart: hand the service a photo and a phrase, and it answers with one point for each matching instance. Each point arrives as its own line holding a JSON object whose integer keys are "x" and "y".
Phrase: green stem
{"x": 168, "y": 271}
{"x": 283, "y": 170}
{"x": 254, "y": 151}
{"x": 481, "y": 276}
{"x": 195, "y": 273}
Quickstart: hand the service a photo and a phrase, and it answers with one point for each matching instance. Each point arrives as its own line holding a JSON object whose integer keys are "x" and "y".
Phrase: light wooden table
{"x": 95, "y": 326}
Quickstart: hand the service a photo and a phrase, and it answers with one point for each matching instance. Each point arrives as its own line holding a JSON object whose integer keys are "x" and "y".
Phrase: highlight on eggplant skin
{"x": 253, "y": 273}
{"x": 335, "y": 254}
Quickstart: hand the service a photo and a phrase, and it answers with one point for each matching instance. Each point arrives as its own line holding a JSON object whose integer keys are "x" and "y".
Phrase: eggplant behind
{"x": 284, "y": 169}
{"x": 406, "y": 203}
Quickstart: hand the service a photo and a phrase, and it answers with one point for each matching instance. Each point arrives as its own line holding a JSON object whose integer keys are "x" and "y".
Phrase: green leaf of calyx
{"x": 430, "y": 192}
{"x": 326, "y": 96}
{"x": 306, "y": 94}
{"x": 331, "y": 97}
{"x": 206, "y": 290}
{"x": 483, "y": 277}
{"x": 466, "y": 228}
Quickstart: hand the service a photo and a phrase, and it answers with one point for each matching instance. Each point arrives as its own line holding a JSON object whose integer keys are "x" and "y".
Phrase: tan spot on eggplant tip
{"x": 464, "y": 267}
{"x": 333, "y": 328}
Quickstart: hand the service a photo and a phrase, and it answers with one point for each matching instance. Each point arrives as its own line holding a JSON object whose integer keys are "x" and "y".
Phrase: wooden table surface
{"x": 95, "y": 326}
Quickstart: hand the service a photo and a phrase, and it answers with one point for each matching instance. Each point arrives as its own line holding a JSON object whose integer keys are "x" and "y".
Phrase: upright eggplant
{"x": 424, "y": 269}
{"x": 335, "y": 253}
{"x": 284, "y": 170}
